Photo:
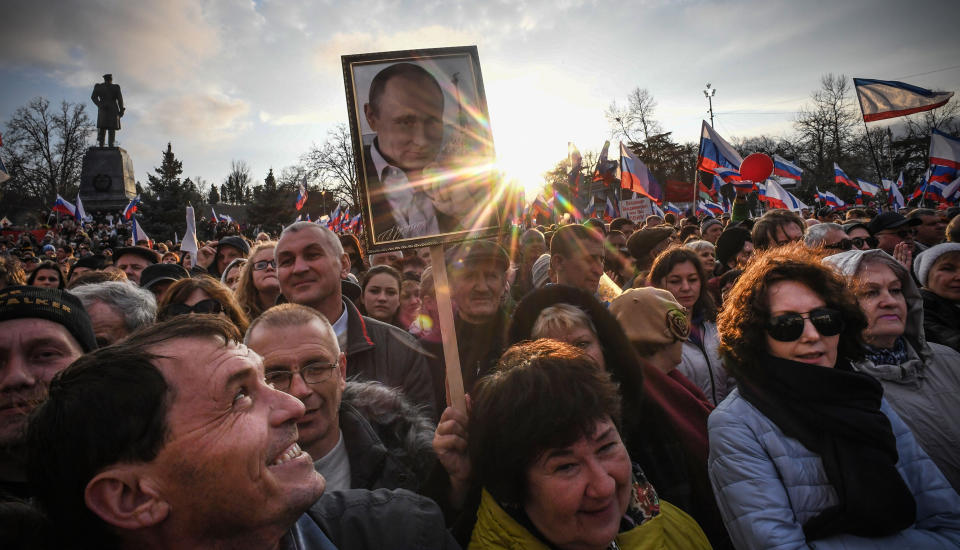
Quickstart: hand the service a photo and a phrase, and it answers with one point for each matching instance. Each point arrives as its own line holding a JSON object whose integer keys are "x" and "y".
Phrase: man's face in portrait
{"x": 408, "y": 120}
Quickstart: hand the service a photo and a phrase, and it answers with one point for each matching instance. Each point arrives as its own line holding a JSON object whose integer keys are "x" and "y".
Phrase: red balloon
{"x": 756, "y": 167}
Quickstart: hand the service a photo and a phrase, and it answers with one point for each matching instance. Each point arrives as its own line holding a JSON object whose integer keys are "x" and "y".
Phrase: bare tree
{"x": 332, "y": 166}
{"x": 44, "y": 149}
{"x": 635, "y": 118}
{"x": 827, "y": 128}
{"x": 238, "y": 182}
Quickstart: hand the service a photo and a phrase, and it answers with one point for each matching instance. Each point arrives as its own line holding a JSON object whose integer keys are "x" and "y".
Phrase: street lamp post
{"x": 709, "y": 93}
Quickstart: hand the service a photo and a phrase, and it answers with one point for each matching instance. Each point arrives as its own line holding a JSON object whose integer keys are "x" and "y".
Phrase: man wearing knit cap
{"x": 710, "y": 230}
{"x": 644, "y": 245}
{"x": 42, "y": 330}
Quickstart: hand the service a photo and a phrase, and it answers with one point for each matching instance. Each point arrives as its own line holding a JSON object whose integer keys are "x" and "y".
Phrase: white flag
{"x": 189, "y": 243}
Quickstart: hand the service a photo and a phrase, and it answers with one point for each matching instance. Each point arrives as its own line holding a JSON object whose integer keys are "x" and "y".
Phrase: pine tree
{"x": 164, "y": 206}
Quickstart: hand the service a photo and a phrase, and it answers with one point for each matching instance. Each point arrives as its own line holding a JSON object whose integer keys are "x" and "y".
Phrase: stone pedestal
{"x": 106, "y": 179}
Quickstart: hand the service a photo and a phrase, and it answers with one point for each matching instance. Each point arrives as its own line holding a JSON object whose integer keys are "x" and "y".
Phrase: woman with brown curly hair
{"x": 202, "y": 294}
{"x": 806, "y": 452}
{"x": 258, "y": 288}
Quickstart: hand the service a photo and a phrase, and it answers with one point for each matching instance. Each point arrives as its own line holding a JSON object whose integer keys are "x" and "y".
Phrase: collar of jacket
{"x": 357, "y": 337}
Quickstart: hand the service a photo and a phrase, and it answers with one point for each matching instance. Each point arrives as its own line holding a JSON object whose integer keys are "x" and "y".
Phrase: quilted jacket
{"x": 768, "y": 485}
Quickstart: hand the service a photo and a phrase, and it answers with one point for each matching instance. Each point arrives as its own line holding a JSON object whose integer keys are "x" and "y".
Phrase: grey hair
{"x": 816, "y": 235}
{"x": 561, "y": 316}
{"x": 135, "y": 305}
{"x": 700, "y": 245}
{"x": 327, "y": 235}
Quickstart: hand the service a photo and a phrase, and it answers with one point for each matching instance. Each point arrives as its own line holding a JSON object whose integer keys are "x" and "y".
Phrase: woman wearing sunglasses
{"x": 258, "y": 287}
{"x": 202, "y": 294}
{"x": 806, "y": 452}
{"x": 920, "y": 378}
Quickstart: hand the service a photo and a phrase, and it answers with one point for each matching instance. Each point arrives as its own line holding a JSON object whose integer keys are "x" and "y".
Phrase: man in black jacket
{"x": 173, "y": 439}
{"x": 310, "y": 265}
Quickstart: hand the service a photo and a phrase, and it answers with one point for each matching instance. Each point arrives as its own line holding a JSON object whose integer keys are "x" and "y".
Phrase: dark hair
{"x": 594, "y": 223}
{"x": 180, "y": 291}
{"x": 618, "y": 223}
{"x": 543, "y": 395}
{"x": 671, "y": 258}
{"x": 953, "y": 230}
{"x": 379, "y": 270}
{"x": 670, "y": 218}
{"x": 764, "y": 233}
{"x": 109, "y": 406}
{"x": 565, "y": 241}
{"x": 349, "y": 239}
{"x": 51, "y": 266}
{"x": 409, "y": 70}
{"x": 413, "y": 261}
{"x": 746, "y": 310}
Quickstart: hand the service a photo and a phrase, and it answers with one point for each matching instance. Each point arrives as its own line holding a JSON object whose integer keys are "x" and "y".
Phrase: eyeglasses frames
{"x": 789, "y": 326}
{"x": 203, "y": 306}
{"x": 312, "y": 373}
{"x": 263, "y": 264}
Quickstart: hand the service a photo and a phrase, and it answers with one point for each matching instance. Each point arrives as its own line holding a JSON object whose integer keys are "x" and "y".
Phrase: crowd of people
{"x": 789, "y": 380}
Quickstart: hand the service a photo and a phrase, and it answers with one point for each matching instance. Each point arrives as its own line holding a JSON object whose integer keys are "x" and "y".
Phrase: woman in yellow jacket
{"x": 544, "y": 443}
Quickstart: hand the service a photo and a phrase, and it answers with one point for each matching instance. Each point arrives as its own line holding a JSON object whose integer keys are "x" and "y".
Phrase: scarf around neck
{"x": 835, "y": 413}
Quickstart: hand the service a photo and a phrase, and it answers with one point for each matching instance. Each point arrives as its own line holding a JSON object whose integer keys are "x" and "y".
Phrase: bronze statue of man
{"x": 106, "y": 96}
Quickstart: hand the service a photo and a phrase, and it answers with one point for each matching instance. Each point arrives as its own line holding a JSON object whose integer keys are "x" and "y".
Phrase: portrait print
{"x": 423, "y": 147}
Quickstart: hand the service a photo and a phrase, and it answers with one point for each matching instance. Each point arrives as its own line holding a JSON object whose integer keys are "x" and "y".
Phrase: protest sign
{"x": 636, "y": 210}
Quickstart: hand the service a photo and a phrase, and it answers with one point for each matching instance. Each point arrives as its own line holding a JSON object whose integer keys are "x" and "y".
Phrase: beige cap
{"x": 651, "y": 315}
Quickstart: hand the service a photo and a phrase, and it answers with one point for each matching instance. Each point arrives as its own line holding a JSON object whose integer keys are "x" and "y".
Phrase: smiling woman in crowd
{"x": 258, "y": 287}
{"x": 806, "y": 452}
{"x": 560, "y": 477}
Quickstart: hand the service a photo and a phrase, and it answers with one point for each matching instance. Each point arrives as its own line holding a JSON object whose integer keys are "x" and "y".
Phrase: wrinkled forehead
{"x": 203, "y": 366}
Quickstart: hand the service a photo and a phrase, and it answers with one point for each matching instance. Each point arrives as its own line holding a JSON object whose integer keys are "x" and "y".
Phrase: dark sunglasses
{"x": 845, "y": 244}
{"x": 789, "y": 326}
{"x": 203, "y": 306}
{"x": 872, "y": 242}
{"x": 263, "y": 264}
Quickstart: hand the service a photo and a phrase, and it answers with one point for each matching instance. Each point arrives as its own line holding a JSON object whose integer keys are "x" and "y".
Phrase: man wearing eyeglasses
{"x": 894, "y": 234}
{"x": 301, "y": 357}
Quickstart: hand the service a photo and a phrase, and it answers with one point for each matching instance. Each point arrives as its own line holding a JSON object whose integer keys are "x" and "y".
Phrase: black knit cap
{"x": 30, "y": 302}
{"x": 730, "y": 243}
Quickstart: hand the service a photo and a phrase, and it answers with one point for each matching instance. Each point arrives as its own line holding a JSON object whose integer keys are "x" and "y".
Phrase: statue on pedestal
{"x": 109, "y": 101}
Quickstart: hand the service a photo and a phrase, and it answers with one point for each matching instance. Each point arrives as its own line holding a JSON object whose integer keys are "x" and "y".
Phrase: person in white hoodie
{"x": 920, "y": 379}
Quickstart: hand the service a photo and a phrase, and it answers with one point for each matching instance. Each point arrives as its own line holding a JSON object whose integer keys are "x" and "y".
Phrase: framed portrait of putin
{"x": 422, "y": 147}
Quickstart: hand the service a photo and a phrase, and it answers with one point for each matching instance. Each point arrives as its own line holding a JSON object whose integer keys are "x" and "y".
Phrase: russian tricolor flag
{"x": 839, "y": 176}
{"x": 830, "y": 199}
{"x": 778, "y": 197}
{"x": 591, "y": 206}
{"x": 944, "y": 156}
{"x": 883, "y": 99}
{"x": 635, "y": 176}
{"x": 611, "y": 209}
{"x": 895, "y": 198}
{"x": 716, "y": 152}
{"x": 786, "y": 169}
{"x": 710, "y": 208}
{"x": 131, "y": 207}
{"x": 64, "y": 207}
{"x": 868, "y": 188}
{"x": 140, "y": 235}
{"x": 301, "y": 196}
{"x": 672, "y": 208}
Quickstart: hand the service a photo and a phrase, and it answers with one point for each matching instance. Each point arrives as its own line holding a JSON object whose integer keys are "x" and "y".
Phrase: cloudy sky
{"x": 260, "y": 81}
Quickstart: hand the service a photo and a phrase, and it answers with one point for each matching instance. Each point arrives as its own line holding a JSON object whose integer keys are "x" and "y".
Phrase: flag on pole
{"x": 591, "y": 207}
{"x": 951, "y": 190}
{"x": 883, "y": 99}
{"x": 334, "y": 220}
{"x": 656, "y": 209}
{"x": 131, "y": 207}
{"x": 190, "y": 243}
{"x": 711, "y": 209}
{"x": 839, "y": 176}
{"x": 80, "y": 214}
{"x": 216, "y": 218}
{"x": 778, "y": 197}
{"x": 539, "y": 207}
{"x": 635, "y": 176}
{"x": 895, "y": 198}
{"x": 673, "y": 208}
{"x": 786, "y": 169}
{"x": 829, "y": 199}
{"x": 302, "y": 194}
{"x": 900, "y": 180}
{"x": 716, "y": 152}
{"x": 606, "y": 168}
{"x": 944, "y": 156}
{"x": 611, "y": 209}
{"x": 576, "y": 165}
{"x": 868, "y": 188}
{"x": 64, "y": 207}
{"x": 140, "y": 235}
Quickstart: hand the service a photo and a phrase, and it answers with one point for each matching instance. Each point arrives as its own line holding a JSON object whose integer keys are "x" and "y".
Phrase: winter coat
{"x": 388, "y": 442}
{"x": 941, "y": 320}
{"x": 925, "y": 389}
{"x": 360, "y": 519}
{"x": 701, "y": 364}
{"x": 382, "y": 352}
{"x": 768, "y": 485}
{"x": 671, "y": 529}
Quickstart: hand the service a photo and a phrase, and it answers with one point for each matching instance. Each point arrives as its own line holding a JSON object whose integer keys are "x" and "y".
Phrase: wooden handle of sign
{"x": 451, "y": 351}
